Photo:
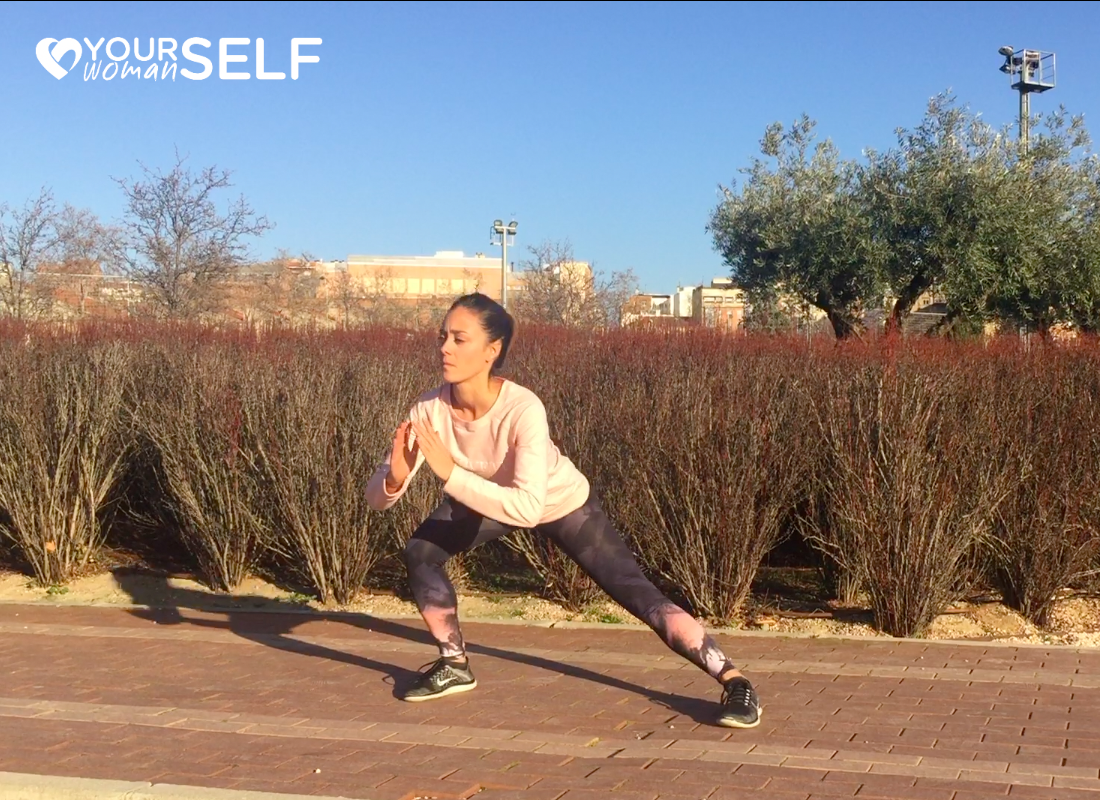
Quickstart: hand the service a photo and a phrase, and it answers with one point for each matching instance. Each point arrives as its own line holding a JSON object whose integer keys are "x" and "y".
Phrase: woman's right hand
{"x": 402, "y": 455}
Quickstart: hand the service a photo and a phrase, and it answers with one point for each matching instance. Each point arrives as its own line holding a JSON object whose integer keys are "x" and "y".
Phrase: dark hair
{"x": 495, "y": 321}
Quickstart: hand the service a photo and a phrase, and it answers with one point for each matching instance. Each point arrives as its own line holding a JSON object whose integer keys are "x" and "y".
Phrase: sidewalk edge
{"x": 27, "y": 786}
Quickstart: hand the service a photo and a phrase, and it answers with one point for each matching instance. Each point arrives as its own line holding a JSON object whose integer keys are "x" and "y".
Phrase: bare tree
{"x": 559, "y": 290}
{"x": 369, "y": 300}
{"x": 347, "y": 293}
{"x": 176, "y": 243}
{"x": 301, "y": 288}
{"x": 614, "y": 292}
{"x": 382, "y": 306}
{"x": 470, "y": 275}
{"x": 85, "y": 241}
{"x": 28, "y": 240}
{"x": 280, "y": 290}
{"x": 85, "y": 249}
{"x": 264, "y": 298}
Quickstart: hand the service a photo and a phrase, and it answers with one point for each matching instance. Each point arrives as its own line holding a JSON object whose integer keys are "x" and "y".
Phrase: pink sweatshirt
{"x": 506, "y": 466}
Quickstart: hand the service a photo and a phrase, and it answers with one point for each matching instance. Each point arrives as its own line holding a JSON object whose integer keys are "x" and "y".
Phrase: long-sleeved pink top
{"x": 506, "y": 466}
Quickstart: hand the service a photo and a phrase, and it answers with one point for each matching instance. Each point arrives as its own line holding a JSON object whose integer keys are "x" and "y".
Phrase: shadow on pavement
{"x": 165, "y": 604}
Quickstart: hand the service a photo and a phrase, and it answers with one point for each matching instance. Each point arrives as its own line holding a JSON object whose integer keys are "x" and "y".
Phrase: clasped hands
{"x": 403, "y": 455}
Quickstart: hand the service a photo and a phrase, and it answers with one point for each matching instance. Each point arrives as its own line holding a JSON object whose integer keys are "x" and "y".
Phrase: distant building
{"x": 719, "y": 305}
{"x": 681, "y": 302}
{"x": 79, "y": 287}
{"x": 447, "y": 274}
{"x": 645, "y": 306}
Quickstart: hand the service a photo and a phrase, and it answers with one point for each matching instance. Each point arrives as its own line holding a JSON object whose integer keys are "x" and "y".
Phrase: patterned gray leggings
{"x": 586, "y": 536}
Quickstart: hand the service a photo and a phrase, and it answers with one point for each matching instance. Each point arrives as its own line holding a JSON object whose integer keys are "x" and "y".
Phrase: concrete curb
{"x": 23, "y": 786}
{"x": 579, "y": 625}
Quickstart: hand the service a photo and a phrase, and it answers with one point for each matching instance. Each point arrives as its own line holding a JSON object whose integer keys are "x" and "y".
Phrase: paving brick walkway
{"x": 305, "y": 704}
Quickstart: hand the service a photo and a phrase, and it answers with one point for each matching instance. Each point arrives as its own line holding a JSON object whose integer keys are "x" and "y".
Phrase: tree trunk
{"x": 845, "y": 323}
{"x": 1042, "y": 327}
{"x": 905, "y": 302}
{"x": 946, "y": 326}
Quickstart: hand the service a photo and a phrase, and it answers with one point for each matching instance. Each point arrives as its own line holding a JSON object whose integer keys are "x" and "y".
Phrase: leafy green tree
{"x": 1041, "y": 245}
{"x": 928, "y": 201}
{"x": 800, "y": 227}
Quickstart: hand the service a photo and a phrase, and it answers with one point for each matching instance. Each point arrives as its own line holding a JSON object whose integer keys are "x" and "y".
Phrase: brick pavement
{"x": 305, "y": 704}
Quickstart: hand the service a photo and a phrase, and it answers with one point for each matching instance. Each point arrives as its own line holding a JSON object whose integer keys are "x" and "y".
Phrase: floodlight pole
{"x": 499, "y": 229}
{"x": 1036, "y": 74}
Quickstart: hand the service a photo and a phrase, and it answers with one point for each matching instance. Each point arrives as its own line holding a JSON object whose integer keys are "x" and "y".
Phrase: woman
{"x": 487, "y": 439}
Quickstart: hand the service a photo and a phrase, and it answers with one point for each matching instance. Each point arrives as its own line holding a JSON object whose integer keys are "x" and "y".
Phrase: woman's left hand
{"x": 435, "y": 452}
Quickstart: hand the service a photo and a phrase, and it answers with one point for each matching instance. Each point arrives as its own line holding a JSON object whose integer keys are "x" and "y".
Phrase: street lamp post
{"x": 504, "y": 232}
{"x": 1036, "y": 74}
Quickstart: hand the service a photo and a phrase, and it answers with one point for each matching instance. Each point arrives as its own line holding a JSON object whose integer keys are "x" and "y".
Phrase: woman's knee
{"x": 420, "y": 552}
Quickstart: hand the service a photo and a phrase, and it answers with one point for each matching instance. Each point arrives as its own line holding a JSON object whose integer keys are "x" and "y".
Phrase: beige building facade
{"x": 444, "y": 275}
{"x": 718, "y": 305}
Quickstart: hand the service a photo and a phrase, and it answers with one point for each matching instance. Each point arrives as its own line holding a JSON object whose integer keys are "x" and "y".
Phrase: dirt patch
{"x": 126, "y": 588}
{"x": 1075, "y": 620}
{"x": 137, "y": 589}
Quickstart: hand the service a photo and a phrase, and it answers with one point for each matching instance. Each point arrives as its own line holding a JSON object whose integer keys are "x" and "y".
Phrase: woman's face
{"x": 464, "y": 347}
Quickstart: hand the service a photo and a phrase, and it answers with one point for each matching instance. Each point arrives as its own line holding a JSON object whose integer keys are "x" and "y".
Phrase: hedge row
{"x": 916, "y": 469}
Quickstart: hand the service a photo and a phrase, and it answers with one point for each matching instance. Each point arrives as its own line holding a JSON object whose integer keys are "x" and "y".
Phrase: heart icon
{"x": 49, "y": 57}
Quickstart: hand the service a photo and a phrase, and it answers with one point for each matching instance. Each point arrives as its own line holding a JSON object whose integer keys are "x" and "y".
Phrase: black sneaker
{"x": 441, "y": 680}
{"x": 740, "y": 705}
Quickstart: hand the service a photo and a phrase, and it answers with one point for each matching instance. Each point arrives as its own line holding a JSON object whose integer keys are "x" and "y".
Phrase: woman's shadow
{"x": 160, "y": 602}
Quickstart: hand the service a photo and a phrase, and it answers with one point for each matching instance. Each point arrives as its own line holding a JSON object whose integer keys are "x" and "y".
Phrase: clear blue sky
{"x": 423, "y": 122}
